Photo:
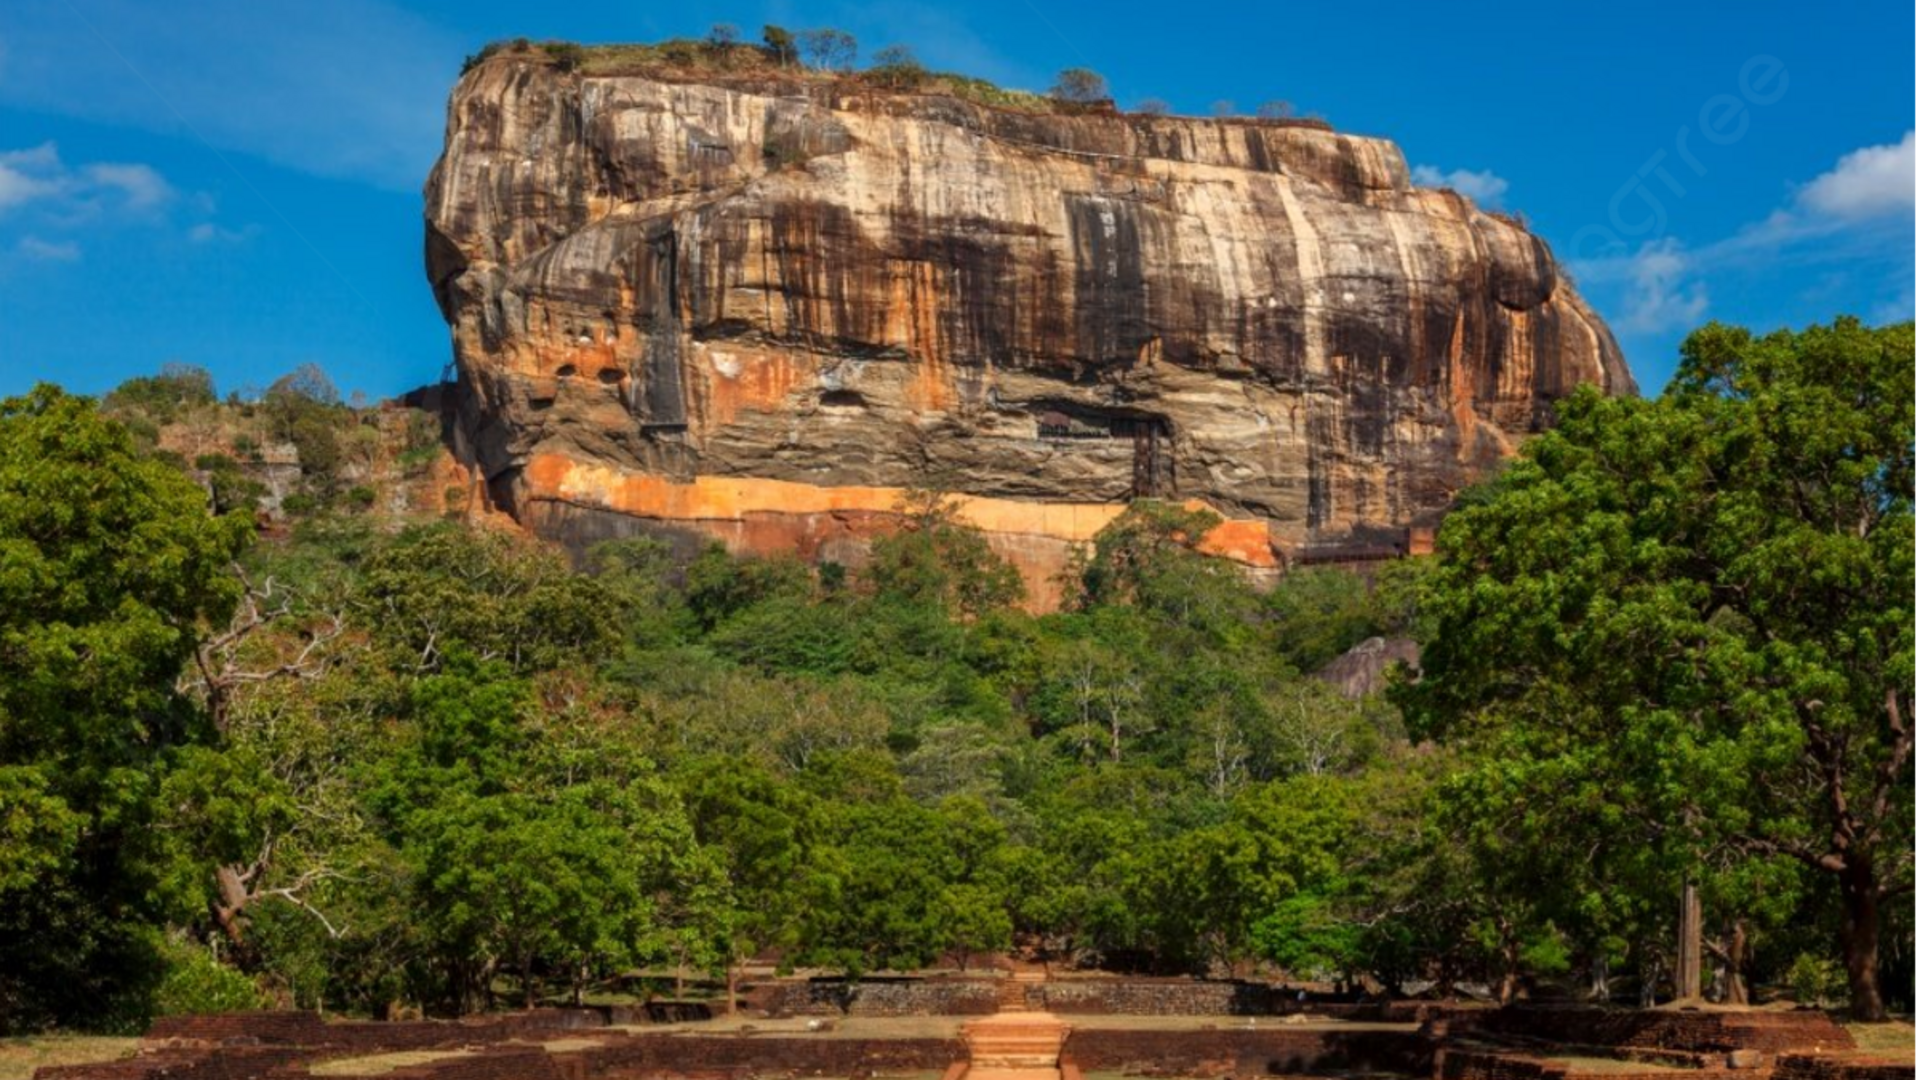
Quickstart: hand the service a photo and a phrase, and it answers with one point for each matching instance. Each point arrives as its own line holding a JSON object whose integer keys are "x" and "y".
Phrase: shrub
{"x": 722, "y": 37}
{"x": 360, "y": 496}
{"x": 490, "y": 49}
{"x": 233, "y": 490}
{"x": 1080, "y": 86}
{"x": 897, "y": 68}
{"x": 566, "y": 55}
{"x": 1152, "y": 107}
{"x": 163, "y": 397}
{"x": 319, "y": 449}
{"x": 680, "y": 51}
{"x": 1274, "y": 110}
{"x": 299, "y": 503}
{"x": 197, "y": 982}
{"x": 1816, "y": 980}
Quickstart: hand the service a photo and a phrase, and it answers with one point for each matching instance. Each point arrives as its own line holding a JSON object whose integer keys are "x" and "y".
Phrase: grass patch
{"x": 1612, "y": 1065}
{"x": 1893, "y": 1039}
{"x": 20, "y": 1056}
{"x": 381, "y": 1064}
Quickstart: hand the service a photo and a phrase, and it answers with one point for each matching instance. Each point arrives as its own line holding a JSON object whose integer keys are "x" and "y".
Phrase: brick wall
{"x": 1241, "y": 1052}
{"x": 652, "y": 1055}
{"x": 229, "y": 1063}
{"x": 1768, "y": 1032}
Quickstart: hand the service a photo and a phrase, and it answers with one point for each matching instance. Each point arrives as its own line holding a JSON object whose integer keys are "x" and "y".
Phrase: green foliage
{"x": 779, "y": 45}
{"x": 164, "y": 397}
{"x": 109, "y": 564}
{"x": 1682, "y": 630}
{"x": 566, "y": 55}
{"x": 1321, "y": 614}
{"x": 1079, "y": 86}
{"x": 896, "y": 68}
{"x": 437, "y": 590}
{"x": 828, "y": 49}
{"x": 443, "y": 766}
{"x": 1816, "y": 981}
{"x": 197, "y": 982}
{"x": 935, "y": 562}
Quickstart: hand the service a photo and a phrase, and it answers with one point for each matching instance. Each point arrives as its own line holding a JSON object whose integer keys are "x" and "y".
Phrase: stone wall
{"x": 1205, "y": 997}
{"x": 1708, "y": 1032}
{"x": 885, "y": 997}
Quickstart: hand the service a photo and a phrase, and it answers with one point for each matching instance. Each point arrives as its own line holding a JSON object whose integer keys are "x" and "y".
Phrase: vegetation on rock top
{"x": 828, "y": 57}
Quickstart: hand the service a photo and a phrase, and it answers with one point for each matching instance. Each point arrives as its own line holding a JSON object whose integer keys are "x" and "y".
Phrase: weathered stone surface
{"x": 759, "y": 311}
{"x": 1362, "y": 670}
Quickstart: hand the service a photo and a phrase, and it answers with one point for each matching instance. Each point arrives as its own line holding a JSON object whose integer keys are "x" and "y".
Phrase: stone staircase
{"x": 1016, "y": 1043}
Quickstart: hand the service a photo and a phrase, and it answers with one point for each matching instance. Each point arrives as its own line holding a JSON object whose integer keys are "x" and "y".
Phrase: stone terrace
{"x": 1143, "y": 1027}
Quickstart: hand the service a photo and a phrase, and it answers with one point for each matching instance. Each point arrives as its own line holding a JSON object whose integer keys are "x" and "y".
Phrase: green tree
{"x": 779, "y": 45}
{"x": 759, "y": 830}
{"x": 937, "y": 561}
{"x": 110, "y": 567}
{"x": 1702, "y": 606}
{"x": 443, "y": 589}
{"x": 1080, "y": 86}
{"x": 827, "y": 49}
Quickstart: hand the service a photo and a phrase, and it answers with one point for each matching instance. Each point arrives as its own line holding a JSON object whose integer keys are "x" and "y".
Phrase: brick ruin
{"x": 1252, "y": 1034}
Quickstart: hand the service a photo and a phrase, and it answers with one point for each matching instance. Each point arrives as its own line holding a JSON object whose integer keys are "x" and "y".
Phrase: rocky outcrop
{"x": 1364, "y": 670}
{"x": 760, "y": 309}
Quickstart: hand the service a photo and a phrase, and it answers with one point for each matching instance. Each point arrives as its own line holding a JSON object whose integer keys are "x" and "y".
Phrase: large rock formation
{"x": 757, "y": 309}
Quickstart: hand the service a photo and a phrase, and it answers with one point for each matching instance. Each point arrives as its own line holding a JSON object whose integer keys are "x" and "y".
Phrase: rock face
{"x": 758, "y": 310}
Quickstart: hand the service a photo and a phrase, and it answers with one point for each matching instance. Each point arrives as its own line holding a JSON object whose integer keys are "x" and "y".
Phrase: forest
{"x": 306, "y": 747}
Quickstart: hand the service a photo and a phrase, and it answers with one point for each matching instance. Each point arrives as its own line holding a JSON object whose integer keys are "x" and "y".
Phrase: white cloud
{"x": 1868, "y": 182}
{"x": 142, "y": 187}
{"x": 32, "y": 247}
{"x": 36, "y": 174}
{"x": 1659, "y": 294}
{"x": 1845, "y": 222}
{"x": 1483, "y": 186}
{"x": 24, "y": 174}
{"x": 207, "y": 233}
{"x": 346, "y": 88}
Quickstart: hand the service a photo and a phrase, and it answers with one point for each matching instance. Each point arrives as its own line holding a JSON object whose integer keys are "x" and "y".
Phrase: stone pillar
{"x": 1686, "y": 966}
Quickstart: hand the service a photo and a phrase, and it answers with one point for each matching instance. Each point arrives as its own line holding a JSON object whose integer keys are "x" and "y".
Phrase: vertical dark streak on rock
{"x": 1110, "y": 292}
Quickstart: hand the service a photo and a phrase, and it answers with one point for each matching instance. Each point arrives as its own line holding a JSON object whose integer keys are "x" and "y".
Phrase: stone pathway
{"x": 1016, "y": 1043}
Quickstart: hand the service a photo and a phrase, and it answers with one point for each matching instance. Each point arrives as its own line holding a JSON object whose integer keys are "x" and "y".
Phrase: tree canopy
{"x": 1685, "y": 626}
{"x": 376, "y": 759}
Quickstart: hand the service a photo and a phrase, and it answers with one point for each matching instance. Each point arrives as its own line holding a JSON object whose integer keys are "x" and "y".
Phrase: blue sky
{"x": 235, "y": 183}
